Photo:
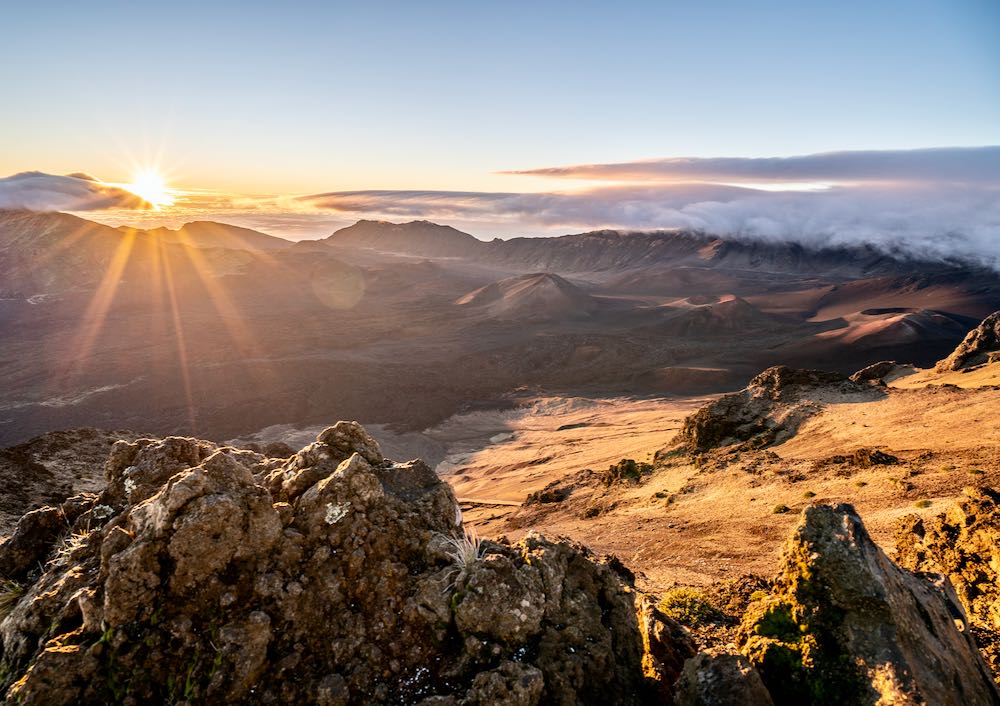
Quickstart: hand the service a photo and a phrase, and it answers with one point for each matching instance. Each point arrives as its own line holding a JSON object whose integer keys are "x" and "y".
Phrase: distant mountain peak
{"x": 535, "y": 296}
{"x": 421, "y": 238}
{"x": 211, "y": 234}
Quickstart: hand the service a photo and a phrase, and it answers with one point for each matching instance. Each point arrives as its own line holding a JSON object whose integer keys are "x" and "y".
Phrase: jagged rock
{"x": 554, "y": 492}
{"x": 981, "y": 345}
{"x": 214, "y": 574}
{"x": 720, "y": 678}
{"x": 845, "y": 625}
{"x": 35, "y": 534}
{"x": 964, "y": 544}
{"x": 769, "y": 409}
{"x": 31, "y": 541}
{"x": 318, "y": 460}
{"x": 875, "y": 372}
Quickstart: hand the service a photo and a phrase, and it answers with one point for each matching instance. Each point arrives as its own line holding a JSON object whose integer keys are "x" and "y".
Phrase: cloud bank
{"x": 37, "y": 191}
{"x": 957, "y": 165}
{"x": 940, "y": 203}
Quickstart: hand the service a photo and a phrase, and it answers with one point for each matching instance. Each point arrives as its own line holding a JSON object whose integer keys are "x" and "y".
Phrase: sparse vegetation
{"x": 465, "y": 550}
{"x": 10, "y": 594}
{"x": 688, "y": 606}
{"x": 627, "y": 470}
{"x": 69, "y": 544}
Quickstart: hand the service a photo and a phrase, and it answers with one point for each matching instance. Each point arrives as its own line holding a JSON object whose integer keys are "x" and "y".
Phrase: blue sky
{"x": 300, "y": 97}
{"x": 515, "y": 118}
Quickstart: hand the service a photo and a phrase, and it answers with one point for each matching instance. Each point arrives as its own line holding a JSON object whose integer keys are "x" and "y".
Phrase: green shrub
{"x": 688, "y": 606}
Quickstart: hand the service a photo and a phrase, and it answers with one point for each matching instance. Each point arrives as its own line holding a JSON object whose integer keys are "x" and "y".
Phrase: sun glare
{"x": 151, "y": 188}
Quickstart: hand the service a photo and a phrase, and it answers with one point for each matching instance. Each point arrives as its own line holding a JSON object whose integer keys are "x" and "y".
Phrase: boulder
{"x": 876, "y": 372}
{"x": 981, "y": 345}
{"x": 720, "y": 677}
{"x": 846, "y": 625}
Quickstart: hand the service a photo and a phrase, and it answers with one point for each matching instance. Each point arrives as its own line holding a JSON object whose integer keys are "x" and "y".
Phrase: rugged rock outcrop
{"x": 768, "y": 410}
{"x": 332, "y": 577}
{"x": 876, "y": 372}
{"x": 846, "y": 625}
{"x": 981, "y": 345}
{"x": 964, "y": 545}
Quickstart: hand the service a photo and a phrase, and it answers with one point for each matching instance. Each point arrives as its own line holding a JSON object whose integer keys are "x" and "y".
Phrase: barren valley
{"x": 673, "y": 429}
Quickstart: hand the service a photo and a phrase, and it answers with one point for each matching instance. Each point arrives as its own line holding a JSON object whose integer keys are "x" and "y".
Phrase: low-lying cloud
{"x": 938, "y": 203}
{"x": 941, "y": 222}
{"x": 37, "y": 191}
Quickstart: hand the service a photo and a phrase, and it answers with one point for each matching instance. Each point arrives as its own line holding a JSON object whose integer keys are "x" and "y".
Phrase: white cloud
{"x": 927, "y": 221}
{"x": 964, "y": 165}
{"x": 37, "y": 191}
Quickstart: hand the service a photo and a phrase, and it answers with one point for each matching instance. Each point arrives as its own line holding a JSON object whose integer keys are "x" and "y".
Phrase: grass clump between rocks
{"x": 10, "y": 594}
{"x": 466, "y": 549}
{"x": 688, "y": 606}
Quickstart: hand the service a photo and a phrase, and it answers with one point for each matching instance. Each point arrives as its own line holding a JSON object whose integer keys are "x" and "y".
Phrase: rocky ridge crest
{"x": 206, "y": 573}
{"x": 768, "y": 410}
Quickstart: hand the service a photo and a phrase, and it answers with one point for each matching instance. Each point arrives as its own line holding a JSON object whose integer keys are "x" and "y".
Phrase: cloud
{"x": 959, "y": 165}
{"x": 37, "y": 191}
{"x": 632, "y": 205}
{"x": 938, "y": 222}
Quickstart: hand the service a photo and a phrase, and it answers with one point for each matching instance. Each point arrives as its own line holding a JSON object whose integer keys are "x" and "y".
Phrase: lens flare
{"x": 151, "y": 188}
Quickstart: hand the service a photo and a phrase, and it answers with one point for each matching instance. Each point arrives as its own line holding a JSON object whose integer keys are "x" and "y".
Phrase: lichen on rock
{"x": 846, "y": 625}
{"x": 962, "y": 543}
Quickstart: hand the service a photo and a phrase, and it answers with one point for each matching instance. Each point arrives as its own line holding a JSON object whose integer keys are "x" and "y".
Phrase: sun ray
{"x": 92, "y": 322}
{"x": 232, "y": 318}
{"x": 179, "y": 337}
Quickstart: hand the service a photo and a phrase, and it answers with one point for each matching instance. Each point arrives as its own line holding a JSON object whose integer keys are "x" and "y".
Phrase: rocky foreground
{"x": 206, "y": 574}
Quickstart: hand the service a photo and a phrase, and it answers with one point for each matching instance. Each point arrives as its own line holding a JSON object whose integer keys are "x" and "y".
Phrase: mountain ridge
{"x": 619, "y": 250}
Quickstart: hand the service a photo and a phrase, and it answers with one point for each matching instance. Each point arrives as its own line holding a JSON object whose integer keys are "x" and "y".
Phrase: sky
{"x": 245, "y": 107}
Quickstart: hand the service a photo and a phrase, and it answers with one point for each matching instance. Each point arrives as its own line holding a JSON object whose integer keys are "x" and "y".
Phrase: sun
{"x": 151, "y": 188}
